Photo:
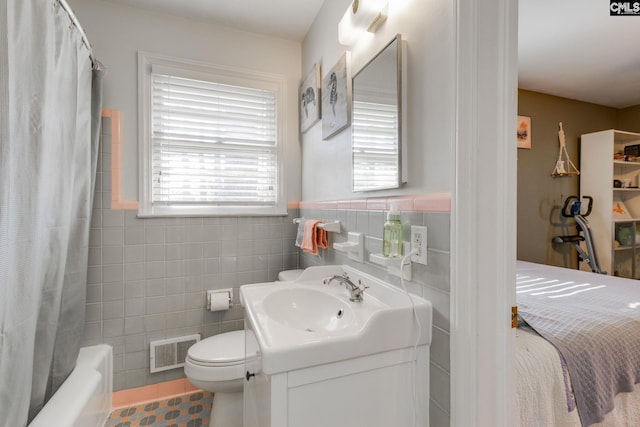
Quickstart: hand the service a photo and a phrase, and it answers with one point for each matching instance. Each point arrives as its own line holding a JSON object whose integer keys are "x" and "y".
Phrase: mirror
{"x": 377, "y": 121}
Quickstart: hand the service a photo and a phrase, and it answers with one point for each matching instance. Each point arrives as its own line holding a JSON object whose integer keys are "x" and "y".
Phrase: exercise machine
{"x": 573, "y": 209}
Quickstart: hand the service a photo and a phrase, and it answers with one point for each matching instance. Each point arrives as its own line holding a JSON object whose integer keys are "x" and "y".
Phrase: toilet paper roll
{"x": 219, "y": 301}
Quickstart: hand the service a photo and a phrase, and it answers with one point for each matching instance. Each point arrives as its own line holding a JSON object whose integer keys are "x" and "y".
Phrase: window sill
{"x": 208, "y": 211}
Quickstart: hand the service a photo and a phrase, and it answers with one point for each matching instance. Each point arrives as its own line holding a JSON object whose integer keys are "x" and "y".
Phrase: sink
{"x": 308, "y": 309}
{"x": 305, "y": 323}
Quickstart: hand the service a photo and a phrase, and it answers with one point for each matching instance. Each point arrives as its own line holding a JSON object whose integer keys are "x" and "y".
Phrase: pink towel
{"x": 313, "y": 237}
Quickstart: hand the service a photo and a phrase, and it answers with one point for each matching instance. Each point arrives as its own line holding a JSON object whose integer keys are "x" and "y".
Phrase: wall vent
{"x": 170, "y": 353}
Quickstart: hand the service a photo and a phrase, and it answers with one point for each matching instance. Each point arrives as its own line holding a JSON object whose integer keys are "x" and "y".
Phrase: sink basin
{"x": 308, "y": 309}
{"x": 305, "y": 323}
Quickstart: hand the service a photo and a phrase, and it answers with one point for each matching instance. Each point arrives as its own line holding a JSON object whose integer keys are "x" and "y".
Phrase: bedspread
{"x": 594, "y": 321}
{"x": 541, "y": 392}
{"x": 541, "y": 386}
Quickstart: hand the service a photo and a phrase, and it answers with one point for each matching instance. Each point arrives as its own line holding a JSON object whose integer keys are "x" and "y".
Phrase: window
{"x": 209, "y": 140}
{"x": 375, "y": 146}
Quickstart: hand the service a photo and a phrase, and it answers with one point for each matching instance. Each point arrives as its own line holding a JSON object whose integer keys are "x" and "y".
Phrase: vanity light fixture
{"x": 361, "y": 16}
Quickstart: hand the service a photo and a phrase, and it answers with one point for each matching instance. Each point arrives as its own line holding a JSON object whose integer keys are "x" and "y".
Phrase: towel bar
{"x": 332, "y": 226}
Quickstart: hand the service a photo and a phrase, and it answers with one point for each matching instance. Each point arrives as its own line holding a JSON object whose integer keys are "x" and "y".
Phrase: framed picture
{"x": 336, "y": 97}
{"x": 310, "y": 99}
{"x": 524, "y": 132}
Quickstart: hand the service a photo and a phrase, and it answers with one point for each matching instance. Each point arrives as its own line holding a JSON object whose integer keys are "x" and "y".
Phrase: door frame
{"x": 483, "y": 234}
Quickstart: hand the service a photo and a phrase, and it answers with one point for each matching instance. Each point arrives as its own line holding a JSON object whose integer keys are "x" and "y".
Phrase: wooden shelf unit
{"x": 597, "y": 175}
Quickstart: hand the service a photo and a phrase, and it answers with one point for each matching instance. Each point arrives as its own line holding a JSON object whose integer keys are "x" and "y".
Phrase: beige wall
{"x": 629, "y": 119}
{"x": 540, "y": 196}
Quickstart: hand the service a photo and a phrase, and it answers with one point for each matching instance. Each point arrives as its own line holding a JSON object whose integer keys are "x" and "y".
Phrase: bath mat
{"x": 189, "y": 410}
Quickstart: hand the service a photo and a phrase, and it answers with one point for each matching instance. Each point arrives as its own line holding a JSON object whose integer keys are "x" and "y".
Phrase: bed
{"x": 578, "y": 348}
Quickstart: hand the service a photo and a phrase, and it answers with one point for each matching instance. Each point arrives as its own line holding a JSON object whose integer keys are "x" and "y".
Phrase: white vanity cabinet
{"x": 370, "y": 391}
{"x": 318, "y": 357}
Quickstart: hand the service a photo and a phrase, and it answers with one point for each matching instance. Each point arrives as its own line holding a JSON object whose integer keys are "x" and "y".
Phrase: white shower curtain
{"x": 50, "y": 100}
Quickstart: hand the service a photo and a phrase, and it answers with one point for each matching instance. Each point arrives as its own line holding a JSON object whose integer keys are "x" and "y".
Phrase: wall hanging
{"x": 336, "y": 97}
{"x": 310, "y": 99}
{"x": 524, "y": 132}
{"x": 564, "y": 167}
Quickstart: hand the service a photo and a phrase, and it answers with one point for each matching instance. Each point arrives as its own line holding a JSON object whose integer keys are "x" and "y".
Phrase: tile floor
{"x": 189, "y": 410}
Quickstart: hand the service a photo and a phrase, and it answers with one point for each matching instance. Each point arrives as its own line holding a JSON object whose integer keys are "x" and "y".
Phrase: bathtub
{"x": 84, "y": 400}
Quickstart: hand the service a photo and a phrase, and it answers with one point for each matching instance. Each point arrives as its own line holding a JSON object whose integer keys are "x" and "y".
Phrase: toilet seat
{"x": 219, "y": 350}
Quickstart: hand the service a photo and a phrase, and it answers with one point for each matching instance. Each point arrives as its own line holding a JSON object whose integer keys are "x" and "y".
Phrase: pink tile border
{"x": 116, "y": 162}
{"x": 436, "y": 202}
{"x": 433, "y": 203}
{"x": 151, "y": 393}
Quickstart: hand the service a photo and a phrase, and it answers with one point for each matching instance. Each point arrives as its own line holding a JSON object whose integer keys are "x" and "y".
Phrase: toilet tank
{"x": 288, "y": 275}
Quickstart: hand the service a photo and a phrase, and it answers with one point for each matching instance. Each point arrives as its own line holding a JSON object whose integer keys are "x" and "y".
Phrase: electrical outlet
{"x": 419, "y": 243}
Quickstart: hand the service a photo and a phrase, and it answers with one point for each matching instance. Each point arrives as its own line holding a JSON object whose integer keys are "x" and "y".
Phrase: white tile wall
{"x": 431, "y": 282}
{"x": 147, "y": 277}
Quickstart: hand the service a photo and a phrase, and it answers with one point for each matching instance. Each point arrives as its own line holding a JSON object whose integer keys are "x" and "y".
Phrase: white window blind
{"x": 212, "y": 143}
{"x": 375, "y": 146}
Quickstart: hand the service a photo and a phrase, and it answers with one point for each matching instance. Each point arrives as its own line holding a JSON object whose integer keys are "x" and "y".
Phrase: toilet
{"x": 216, "y": 364}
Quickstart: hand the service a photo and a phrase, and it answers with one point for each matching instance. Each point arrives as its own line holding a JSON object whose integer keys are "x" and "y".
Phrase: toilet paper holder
{"x": 219, "y": 299}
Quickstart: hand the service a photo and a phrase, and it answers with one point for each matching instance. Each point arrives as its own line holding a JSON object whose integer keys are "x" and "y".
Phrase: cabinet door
{"x": 256, "y": 404}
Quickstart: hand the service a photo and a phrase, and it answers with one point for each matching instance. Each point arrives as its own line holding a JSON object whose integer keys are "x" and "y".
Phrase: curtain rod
{"x": 76, "y": 24}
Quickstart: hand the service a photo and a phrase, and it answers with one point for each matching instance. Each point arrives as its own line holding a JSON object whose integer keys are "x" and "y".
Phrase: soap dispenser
{"x": 392, "y": 236}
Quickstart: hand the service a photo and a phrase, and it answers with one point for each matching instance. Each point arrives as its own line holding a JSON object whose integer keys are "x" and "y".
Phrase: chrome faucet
{"x": 355, "y": 291}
